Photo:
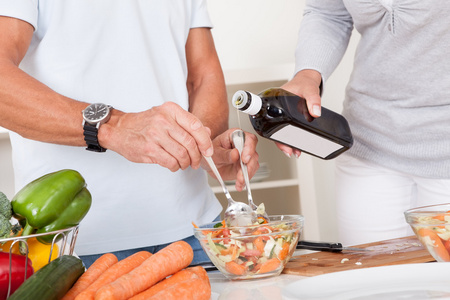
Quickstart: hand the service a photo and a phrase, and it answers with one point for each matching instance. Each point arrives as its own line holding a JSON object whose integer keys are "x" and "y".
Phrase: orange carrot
{"x": 122, "y": 267}
{"x": 201, "y": 272}
{"x": 447, "y": 245}
{"x": 192, "y": 289}
{"x": 259, "y": 244}
{"x": 270, "y": 265}
{"x": 441, "y": 217}
{"x": 96, "y": 269}
{"x": 235, "y": 268}
{"x": 165, "y": 262}
{"x": 284, "y": 251}
{"x": 180, "y": 276}
{"x": 438, "y": 246}
{"x": 234, "y": 253}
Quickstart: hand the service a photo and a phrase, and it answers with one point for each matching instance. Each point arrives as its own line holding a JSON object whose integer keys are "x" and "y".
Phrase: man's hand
{"x": 227, "y": 160}
{"x": 166, "y": 135}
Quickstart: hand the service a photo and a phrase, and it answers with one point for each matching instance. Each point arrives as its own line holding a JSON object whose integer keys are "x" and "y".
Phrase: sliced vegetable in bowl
{"x": 431, "y": 224}
{"x": 254, "y": 251}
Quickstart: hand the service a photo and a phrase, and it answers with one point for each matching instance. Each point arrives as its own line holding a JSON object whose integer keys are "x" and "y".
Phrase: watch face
{"x": 96, "y": 112}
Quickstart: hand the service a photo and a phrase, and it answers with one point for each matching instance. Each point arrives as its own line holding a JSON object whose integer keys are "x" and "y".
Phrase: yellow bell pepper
{"x": 38, "y": 252}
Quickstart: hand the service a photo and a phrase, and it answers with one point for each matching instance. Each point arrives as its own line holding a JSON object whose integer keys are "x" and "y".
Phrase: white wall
{"x": 6, "y": 170}
{"x": 255, "y": 34}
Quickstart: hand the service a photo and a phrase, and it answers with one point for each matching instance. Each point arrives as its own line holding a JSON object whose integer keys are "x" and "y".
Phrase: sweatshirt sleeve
{"x": 26, "y": 10}
{"x": 200, "y": 15}
{"x": 323, "y": 37}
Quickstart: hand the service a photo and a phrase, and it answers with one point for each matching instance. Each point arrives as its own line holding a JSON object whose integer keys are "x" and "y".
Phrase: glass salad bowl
{"x": 254, "y": 251}
{"x": 431, "y": 224}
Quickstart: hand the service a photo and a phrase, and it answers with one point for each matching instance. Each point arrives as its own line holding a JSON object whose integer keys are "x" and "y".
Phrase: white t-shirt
{"x": 129, "y": 54}
{"x": 386, "y": 3}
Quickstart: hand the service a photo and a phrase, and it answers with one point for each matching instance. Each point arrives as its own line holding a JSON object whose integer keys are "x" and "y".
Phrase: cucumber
{"x": 52, "y": 281}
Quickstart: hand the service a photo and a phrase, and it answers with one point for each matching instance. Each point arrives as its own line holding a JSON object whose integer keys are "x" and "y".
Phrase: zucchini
{"x": 52, "y": 281}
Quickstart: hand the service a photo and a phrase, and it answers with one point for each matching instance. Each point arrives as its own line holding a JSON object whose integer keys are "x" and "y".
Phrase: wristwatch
{"x": 94, "y": 116}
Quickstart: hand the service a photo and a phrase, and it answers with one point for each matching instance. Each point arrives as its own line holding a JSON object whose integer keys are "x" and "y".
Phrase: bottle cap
{"x": 247, "y": 102}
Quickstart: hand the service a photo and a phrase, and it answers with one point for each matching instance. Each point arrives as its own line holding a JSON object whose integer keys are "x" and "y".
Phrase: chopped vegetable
{"x": 248, "y": 251}
{"x": 434, "y": 233}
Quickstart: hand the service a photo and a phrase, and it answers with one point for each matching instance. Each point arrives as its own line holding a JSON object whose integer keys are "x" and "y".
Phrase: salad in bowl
{"x": 254, "y": 251}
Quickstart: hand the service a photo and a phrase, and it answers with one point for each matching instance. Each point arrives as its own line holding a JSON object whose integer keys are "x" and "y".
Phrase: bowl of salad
{"x": 254, "y": 251}
{"x": 431, "y": 224}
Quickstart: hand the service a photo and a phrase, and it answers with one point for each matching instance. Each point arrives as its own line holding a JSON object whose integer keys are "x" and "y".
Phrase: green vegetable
{"x": 54, "y": 201}
{"x": 51, "y": 282}
{"x": 5, "y": 227}
{"x": 7, "y": 230}
{"x": 220, "y": 246}
{"x": 5, "y": 206}
{"x": 218, "y": 225}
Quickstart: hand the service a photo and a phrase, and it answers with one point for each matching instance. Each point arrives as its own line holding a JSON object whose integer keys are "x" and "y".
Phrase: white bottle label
{"x": 306, "y": 141}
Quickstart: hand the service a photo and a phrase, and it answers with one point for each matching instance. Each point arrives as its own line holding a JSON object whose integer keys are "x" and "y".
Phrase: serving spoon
{"x": 238, "y": 138}
{"x": 237, "y": 213}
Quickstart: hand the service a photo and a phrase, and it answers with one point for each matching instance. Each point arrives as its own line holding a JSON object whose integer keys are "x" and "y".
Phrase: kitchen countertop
{"x": 269, "y": 288}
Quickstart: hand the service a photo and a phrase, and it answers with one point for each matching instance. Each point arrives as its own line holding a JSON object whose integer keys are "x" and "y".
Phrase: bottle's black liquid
{"x": 281, "y": 116}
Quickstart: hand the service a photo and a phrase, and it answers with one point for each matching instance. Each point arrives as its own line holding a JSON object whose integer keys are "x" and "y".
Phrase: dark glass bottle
{"x": 281, "y": 116}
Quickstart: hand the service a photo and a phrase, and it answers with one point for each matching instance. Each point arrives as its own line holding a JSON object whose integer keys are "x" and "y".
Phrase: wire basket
{"x": 64, "y": 238}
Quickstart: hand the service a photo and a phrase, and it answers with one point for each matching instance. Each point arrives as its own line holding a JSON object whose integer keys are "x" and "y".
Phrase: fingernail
{"x": 247, "y": 159}
{"x": 209, "y": 152}
{"x": 287, "y": 154}
{"x": 317, "y": 110}
{"x": 297, "y": 155}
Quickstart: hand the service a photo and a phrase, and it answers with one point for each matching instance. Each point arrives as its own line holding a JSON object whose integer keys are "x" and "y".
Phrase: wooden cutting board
{"x": 390, "y": 252}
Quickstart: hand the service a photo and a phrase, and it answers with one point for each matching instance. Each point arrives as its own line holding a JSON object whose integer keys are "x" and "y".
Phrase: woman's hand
{"x": 305, "y": 84}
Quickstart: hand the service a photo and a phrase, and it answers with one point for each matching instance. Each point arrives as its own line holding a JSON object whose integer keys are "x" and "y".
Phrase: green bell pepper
{"x": 52, "y": 202}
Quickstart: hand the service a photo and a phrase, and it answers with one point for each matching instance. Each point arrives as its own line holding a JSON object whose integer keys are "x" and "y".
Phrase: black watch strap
{"x": 91, "y": 138}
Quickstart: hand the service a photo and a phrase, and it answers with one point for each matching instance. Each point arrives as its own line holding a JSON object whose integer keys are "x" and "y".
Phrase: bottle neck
{"x": 247, "y": 102}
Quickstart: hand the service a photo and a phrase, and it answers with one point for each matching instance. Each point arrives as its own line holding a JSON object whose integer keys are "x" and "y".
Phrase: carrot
{"x": 438, "y": 246}
{"x": 259, "y": 244}
{"x": 180, "y": 276}
{"x": 192, "y": 289}
{"x": 200, "y": 272}
{"x": 96, "y": 269}
{"x": 284, "y": 251}
{"x": 163, "y": 263}
{"x": 234, "y": 253}
{"x": 447, "y": 245}
{"x": 122, "y": 267}
{"x": 235, "y": 268}
{"x": 228, "y": 250}
{"x": 262, "y": 220}
{"x": 269, "y": 266}
{"x": 441, "y": 217}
